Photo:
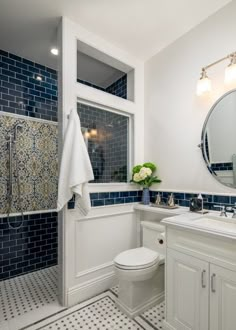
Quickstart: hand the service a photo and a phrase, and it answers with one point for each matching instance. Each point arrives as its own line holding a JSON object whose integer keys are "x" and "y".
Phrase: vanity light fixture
{"x": 230, "y": 71}
{"x": 204, "y": 83}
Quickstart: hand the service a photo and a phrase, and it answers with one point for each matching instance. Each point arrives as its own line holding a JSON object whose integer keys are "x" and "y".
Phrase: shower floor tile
{"x": 27, "y": 298}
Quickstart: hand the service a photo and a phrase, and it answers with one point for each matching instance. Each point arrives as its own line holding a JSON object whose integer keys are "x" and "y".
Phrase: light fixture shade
{"x": 203, "y": 85}
{"x": 230, "y": 74}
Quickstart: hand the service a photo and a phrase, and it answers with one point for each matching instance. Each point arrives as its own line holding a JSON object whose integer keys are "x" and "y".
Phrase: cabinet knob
{"x": 160, "y": 241}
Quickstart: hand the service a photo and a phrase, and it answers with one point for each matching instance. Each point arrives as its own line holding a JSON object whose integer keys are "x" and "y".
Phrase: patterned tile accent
{"x": 36, "y": 151}
{"x": 118, "y": 88}
{"x": 107, "y": 143}
{"x": 21, "y": 295}
{"x": 32, "y": 247}
{"x": 27, "y": 88}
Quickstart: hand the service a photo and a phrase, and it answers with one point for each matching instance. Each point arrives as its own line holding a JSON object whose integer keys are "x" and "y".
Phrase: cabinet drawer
{"x": 215, "y": 249}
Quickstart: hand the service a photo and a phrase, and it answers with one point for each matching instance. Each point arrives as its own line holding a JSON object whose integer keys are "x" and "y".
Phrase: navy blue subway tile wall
{"x": 111, "y": 198}
{"x": 27, "y": 88}
{"x": 222, "y": 166}
{"x": 183, "y": 199}
{"x": 117, "y": 88}
{"x": 32, "y": 247}
{"x": 118, "y": 197}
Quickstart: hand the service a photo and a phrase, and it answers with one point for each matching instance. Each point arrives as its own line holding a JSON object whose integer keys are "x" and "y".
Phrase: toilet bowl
{"x": 140, "y": 271}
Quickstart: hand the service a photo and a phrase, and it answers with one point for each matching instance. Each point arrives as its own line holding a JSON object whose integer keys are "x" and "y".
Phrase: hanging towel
{"x": 76, "y": 170}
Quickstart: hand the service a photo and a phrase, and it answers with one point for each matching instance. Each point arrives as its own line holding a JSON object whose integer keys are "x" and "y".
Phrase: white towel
{"x": 76, "y": 170}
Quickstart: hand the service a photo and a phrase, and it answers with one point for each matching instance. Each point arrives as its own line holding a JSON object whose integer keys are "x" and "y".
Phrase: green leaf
{"x": 137, "y": 168}
{"x": 150, "y": 165}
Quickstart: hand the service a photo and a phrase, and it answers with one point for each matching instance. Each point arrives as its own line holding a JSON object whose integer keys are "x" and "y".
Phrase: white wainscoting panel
{"x": 92, "y": 244}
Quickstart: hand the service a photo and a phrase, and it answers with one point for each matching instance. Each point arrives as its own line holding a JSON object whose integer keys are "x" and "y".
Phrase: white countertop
{"x": 182, "y": 218}
{"x": 210, "y": 223}
{"x": 160, "y": 210}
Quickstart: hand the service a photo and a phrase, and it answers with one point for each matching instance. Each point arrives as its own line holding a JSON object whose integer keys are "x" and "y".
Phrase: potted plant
{"x": 144, "y": 176}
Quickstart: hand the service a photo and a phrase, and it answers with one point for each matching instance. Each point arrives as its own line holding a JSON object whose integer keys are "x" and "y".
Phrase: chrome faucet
{"x": 234, "y": 214}
{"x": 232, "y": 208}
{"x": 222, "y": 210}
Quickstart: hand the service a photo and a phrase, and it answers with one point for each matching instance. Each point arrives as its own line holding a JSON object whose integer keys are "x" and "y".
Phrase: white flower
{"x": 145, "y": 172}
{"x": 137, "y": 177}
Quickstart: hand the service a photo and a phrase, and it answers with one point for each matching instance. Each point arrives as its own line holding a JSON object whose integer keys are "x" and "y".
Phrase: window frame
{"x": 130, "y": 144}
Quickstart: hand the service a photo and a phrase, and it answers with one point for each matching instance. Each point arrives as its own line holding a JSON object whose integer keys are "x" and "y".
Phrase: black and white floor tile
{"x": 24, "y": 298}
{"x": 29, "y": 302}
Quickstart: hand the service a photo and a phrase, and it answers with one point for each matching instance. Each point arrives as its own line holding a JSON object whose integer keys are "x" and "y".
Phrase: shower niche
{"x": 103, "y": 72}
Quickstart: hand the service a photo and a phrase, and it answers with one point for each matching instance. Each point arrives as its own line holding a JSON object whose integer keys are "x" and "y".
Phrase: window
{"x": 101, "y": 71}
{"x": 106, "y": 134}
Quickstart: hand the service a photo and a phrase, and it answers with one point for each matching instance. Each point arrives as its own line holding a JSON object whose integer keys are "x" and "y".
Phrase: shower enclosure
{"x": 28, "y": 191}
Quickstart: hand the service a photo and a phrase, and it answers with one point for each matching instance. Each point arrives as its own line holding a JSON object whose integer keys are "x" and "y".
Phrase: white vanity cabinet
{"x": 200, "y": 281}
{"x": 186, "y": 291}
{"x": 222, "y": 299}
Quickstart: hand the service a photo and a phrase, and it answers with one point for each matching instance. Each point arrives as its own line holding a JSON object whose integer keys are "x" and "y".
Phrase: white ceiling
{"x": 141, "y": 27}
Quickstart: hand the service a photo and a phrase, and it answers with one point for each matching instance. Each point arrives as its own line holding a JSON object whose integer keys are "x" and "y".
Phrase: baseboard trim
{"x": 88, "y": 289}
{"x": 167, "y": 326}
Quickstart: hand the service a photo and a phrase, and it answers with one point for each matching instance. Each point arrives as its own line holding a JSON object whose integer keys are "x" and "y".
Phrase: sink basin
{"x": 210, "y": 223}
{"x": 217, "y": 224}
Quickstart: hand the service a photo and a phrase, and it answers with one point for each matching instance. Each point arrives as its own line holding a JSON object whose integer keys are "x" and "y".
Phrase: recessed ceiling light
{"x": 54, "y": 51}
{"x": 39, "y": 78}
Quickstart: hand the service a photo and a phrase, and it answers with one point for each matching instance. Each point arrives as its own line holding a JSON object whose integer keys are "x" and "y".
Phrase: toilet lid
{"x": 136, "y": 258}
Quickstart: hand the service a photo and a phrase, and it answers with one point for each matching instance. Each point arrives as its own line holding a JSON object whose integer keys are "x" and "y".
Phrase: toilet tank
{"x": 153, "y": 234}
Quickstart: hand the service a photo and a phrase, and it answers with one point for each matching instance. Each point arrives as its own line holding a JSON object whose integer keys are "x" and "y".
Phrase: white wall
{"x": 90, "y": 244}
{"x": 174, "y": 115}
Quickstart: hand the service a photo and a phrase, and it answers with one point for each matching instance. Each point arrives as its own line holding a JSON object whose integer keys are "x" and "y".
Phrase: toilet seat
{"x": 135, "y": 259}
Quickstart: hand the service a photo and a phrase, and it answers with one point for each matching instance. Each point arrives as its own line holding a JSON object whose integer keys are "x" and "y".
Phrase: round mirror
{"x": 219, "y": 140}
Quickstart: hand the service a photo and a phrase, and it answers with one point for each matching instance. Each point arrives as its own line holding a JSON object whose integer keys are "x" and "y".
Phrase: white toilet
{"x": 140, "y": 271}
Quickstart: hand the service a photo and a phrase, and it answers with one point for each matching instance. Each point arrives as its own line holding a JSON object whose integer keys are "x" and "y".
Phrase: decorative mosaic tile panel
{"x": 36, "y": 150}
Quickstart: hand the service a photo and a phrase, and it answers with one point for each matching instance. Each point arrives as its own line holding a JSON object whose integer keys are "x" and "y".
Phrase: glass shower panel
{"x": 106, "y": 134}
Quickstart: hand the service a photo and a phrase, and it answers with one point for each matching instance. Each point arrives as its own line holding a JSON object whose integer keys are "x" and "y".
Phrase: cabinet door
{"x": 187, "y": 292}
{"x": 222, "y": 299}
